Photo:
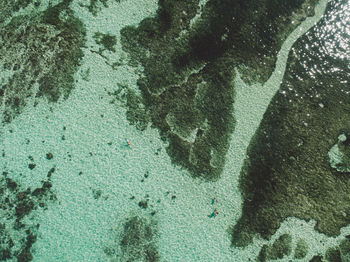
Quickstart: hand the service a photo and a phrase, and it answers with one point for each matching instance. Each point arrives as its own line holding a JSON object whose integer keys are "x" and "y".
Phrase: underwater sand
{"x": 79, "y": 227}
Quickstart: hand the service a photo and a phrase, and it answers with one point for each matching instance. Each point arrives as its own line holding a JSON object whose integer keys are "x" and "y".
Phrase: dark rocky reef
{"x": 316, "y": 258}
{"x": 333, "y": 255}
{"x": 106, "y": 41}
{"x": 281, "y": 247}
{"x": 18, "y": 232}
{"x": 137, "y": 241}
{"x": 287, "y": 172}
{"x": 339, "y": 253}
{"x": 41, "y": 52}
{"x": 186, "y": 86}
{"x": 95, "y": 6}
{"x": 7, "y": 8}
{"x": 301, "y": 249}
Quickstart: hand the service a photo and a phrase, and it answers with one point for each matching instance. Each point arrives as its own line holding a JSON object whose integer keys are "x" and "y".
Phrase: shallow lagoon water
{"x": 93, "y": 157}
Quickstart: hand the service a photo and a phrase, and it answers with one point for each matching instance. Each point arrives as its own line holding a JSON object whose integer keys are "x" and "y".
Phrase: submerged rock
{"x": 40, "y": 53}
{"x": 281, "y": 247}
{"x": 186, "y": 87}
{"x": 333, "y": 255}
{"x": 287, "y": 171}
{"x": 344, "y": 248}
{"x": 18, "y": 205}
{"x": 301, "y": 249}
{"x": 137, "y": 241}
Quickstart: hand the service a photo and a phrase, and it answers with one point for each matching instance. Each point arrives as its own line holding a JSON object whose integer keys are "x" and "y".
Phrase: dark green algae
{"x": 95, "y": 6}
{"x": 7, "y": 8}
{"x": 281, "y": 247}
{"x": 186, "y": 85}
{"x": 340, "y": 253}
{"x": 137, "y": 241}
{"x": 301, "y": 249}
{"x": 106, "y": 41}
{"x": 287, "y": 172}
{"x": 18, "y": 231}
{"x": 43, "y": 50}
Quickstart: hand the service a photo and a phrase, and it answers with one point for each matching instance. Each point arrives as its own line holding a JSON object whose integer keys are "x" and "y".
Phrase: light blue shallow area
{"x": 78, "y": 227}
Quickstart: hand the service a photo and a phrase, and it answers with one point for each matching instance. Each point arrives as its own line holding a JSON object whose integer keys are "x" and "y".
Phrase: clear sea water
{"x": 78, "y": 227}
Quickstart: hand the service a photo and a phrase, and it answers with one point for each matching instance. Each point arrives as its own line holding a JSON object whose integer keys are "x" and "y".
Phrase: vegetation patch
{"x": 42, "y": 52}
{"x": 137, "y": 241}
{"x": 95, "y": 6}
{"x": 301, "y": 249}
{"x": 287, "y": 172}
{"x": 18, "y": 205}
{"x": 281, "y": 247}
{"x": 186, "y": 85}
{"x": 107, "y": 41}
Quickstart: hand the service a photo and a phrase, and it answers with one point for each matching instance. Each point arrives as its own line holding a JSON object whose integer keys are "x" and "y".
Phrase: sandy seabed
{"x": 78, "y": 227}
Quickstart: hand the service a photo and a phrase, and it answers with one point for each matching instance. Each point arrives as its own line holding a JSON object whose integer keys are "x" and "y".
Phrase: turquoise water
{"x": 100, "y": 182}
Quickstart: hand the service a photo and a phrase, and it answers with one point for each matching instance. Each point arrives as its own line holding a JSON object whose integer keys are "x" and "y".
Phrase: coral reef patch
{"x": 137, "y": 241}
{"x": 188, "y": 54}
{"x": 40, "y": 54}
{"x": 287, "y": 172}
{"x": 18, "y": 205}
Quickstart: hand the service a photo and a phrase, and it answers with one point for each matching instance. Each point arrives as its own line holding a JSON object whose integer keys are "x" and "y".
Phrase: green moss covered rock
{"x": 107, "y": 41}
{"x": 281, "y": 247}
{"x": 301, "y": 249}
{"x": 287, "y": 172}
{"x": 42, "y": 51}
{"x": 186, "y": 84}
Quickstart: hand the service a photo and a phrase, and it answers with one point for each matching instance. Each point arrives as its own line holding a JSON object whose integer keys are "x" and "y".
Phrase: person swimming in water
{"x": 128, "y": 143}
{"x": 214, "y": 214}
